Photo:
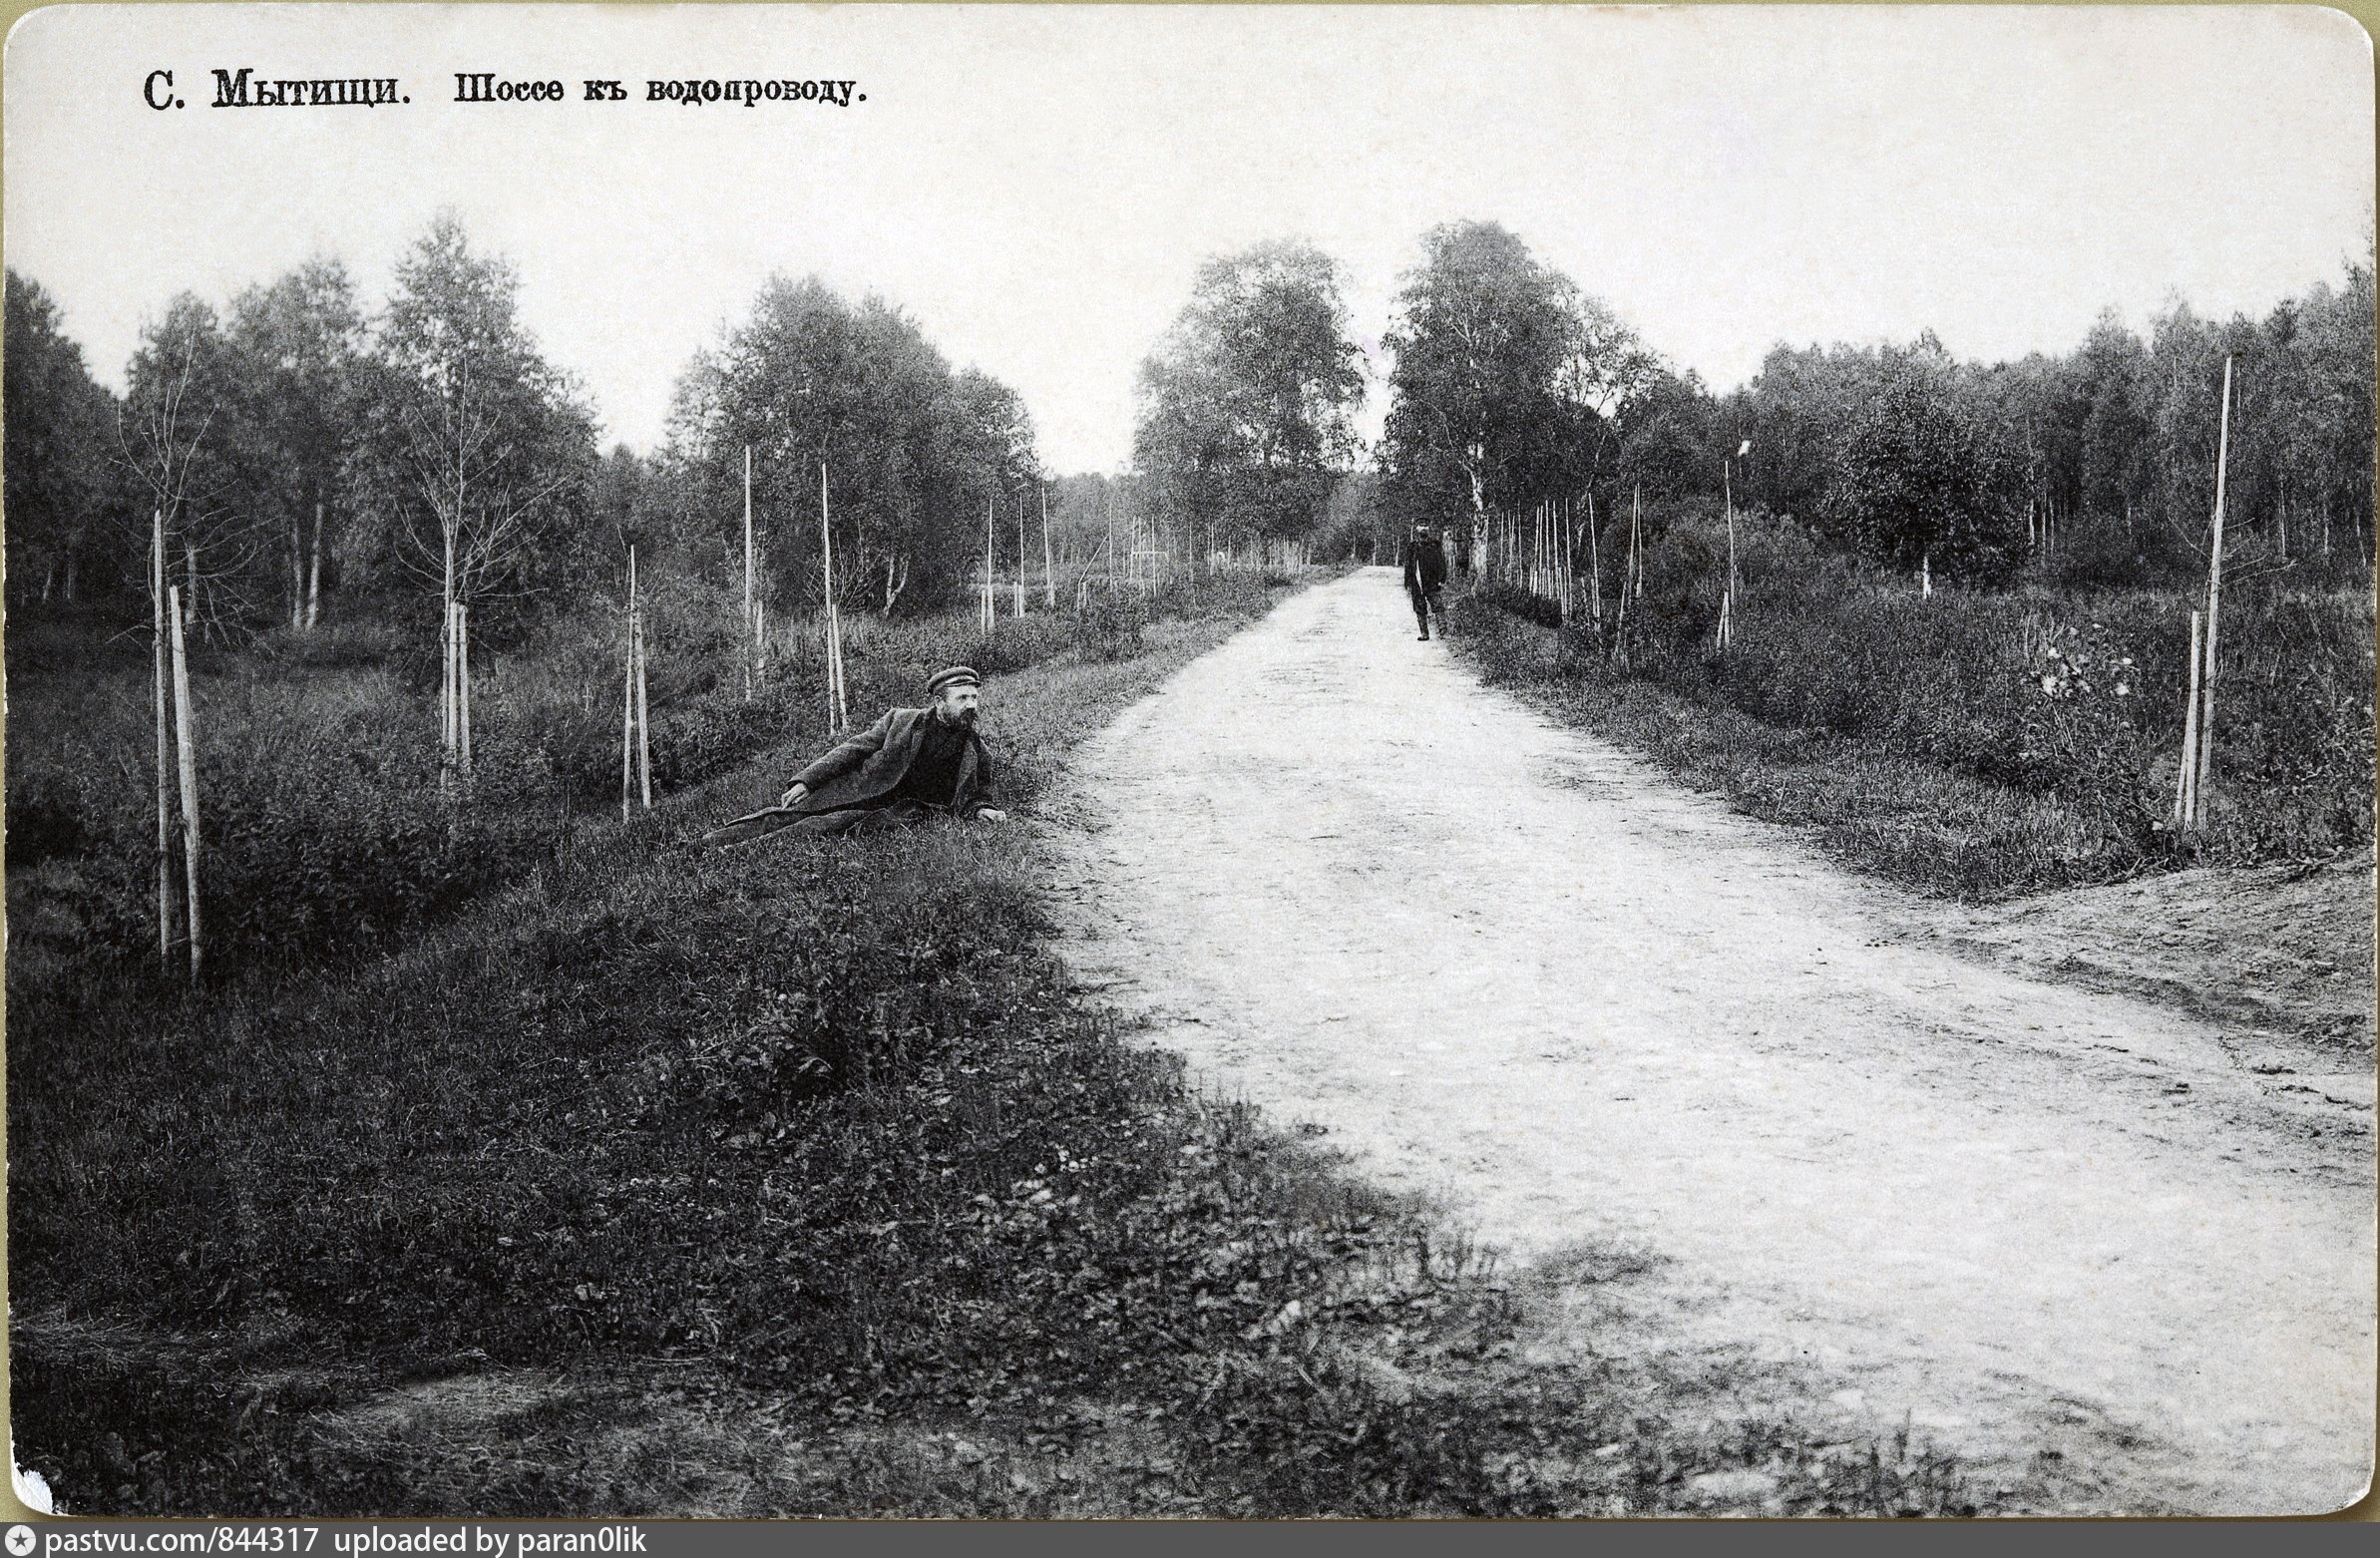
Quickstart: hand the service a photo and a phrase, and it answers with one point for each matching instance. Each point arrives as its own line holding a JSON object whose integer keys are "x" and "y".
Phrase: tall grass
{"x": 1979, "y": 743}
{"x": 327, "y": 835}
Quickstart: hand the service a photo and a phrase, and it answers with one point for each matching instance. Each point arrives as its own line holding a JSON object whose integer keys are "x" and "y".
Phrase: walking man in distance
{"x": 911, "y": 765}
{"x": 1424, "y": 576}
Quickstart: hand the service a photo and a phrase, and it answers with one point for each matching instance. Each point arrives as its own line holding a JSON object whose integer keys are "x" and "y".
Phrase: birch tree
{"x": 477, "y": 455}
{"x": 1248, "y": 400}
{"x": 808, "y": 378}
{"x": 1480, "y": 337}
{"x": 294, "y": 350}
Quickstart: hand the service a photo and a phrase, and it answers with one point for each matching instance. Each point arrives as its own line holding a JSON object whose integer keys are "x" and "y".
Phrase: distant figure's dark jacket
{"x": 866, "y": 769}
{"x": 1424, "y": 565}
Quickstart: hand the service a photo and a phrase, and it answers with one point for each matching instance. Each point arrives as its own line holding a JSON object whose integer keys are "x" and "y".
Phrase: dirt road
{"x": 1522, "y": 973}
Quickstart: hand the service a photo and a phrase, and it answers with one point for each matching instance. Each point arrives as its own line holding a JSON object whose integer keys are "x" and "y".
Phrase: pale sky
{"x": 1038, "y": 184}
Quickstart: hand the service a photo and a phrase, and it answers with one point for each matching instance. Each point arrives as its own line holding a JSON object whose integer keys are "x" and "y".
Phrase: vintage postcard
{"x": 1186, "y": 761}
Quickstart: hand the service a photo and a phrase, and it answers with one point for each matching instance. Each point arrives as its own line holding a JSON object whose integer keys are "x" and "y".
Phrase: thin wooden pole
{"x": 446, "y": 685}
{"x": 1562, "y": 561}
{"x": 1594, "y": 568}
{"x": 988, "y": 620}
{"x": 2186, "y": 773}
{"x": 1021, "y": 554}
{"x": 1628, "y": 573}
{"x": 1049, "y": 555}
{"x": 1727, "y": 603}
{"x": 297, "y": 572}
{"x": 1636, "y": 540}
{"x": 644, "y": 709}
{"x": 2215, "y": 601}
{"x": 1545, "y": 549}
{"x": 190, "y": 783}
{"x": 838, "y": 705}
{"x": 463, "y": 678}
{"x": 165, "y": 742}
{"x": 446, "y": 674}
{"x": 751, "y": 619}
{"x": 1570, "y": 560}
{"x": 314, "y": 575}
{"x": 628, "y": 716}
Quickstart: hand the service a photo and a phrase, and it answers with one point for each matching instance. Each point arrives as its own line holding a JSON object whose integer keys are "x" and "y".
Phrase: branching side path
{"x": 1686, "y": 1075}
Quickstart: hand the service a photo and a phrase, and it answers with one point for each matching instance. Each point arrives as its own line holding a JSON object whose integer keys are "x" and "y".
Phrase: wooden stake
{"x": 1049, "y": 555}
{"x": 190, "y": 783}
{"x": 297, "y": 573}
{"x": 314, "y": 575}
{"x": 1021, "y": 554}
{"x": 2215, "y": 601}
{"x": 448, "y": 729}
{"x": 1635, "y": 539}
{"x": 644, "y": 712}
{"x": 1627, "y": 574}
{"x": 627, "y": 715}
{"x": 752, "y": 616}
{"x": 2186, "y": 773}
{"x": 1594, "y": 568}
{"x": 1727, "y": 602}
{"x": 165, "y": 802}
{"x": 1562, "y": 562}
{"x": 988, "y": 621}
{"x": 838, "y": 705}
{"x": 463, "y": 678}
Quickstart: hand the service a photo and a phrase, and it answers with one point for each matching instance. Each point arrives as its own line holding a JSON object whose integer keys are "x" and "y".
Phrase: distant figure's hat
{"x": 954, "y": 676}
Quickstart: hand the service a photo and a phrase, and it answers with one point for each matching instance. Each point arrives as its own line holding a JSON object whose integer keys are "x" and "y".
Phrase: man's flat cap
{"x": 953, "y": 676}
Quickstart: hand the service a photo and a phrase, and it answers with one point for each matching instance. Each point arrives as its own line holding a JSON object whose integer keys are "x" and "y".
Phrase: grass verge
{"x": 1894, "y": 800}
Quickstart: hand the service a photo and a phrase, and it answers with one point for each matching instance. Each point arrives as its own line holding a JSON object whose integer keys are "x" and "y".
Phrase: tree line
{"x": 1509, "y": 385}
{"x": 296, "y": 450}
{"x": 294, "y": 447}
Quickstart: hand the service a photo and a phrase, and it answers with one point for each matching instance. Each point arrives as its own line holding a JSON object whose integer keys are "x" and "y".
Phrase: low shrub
{"x": 2065, "y": 697}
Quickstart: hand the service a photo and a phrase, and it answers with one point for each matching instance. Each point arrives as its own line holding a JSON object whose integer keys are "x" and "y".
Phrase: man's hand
{"x": 993, "y": 814}
{"x": 793, "y": 797}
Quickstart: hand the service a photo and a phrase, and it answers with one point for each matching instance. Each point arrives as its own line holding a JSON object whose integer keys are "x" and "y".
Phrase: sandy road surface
{"x": 1522, "y": 973}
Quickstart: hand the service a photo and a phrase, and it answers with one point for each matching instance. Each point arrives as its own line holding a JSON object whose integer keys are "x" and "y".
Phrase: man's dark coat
{"x": 866, "y": 769}
{"x": 1424, "y": 565}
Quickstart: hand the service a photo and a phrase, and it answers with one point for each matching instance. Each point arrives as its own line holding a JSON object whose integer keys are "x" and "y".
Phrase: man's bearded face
{"x": 958, "y": 705}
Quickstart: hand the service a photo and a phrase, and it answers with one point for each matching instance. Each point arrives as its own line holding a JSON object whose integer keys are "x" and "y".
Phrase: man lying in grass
{"x": 913, "y": 764}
